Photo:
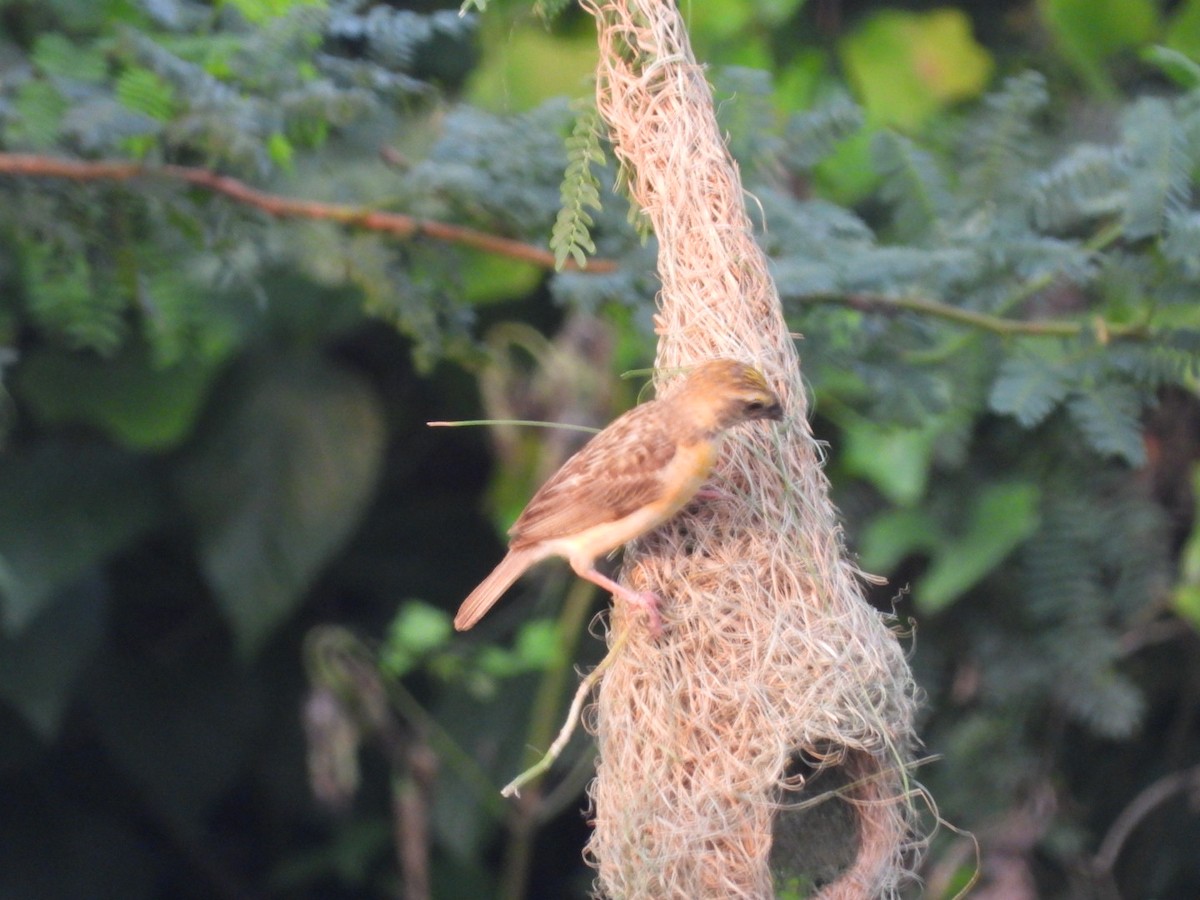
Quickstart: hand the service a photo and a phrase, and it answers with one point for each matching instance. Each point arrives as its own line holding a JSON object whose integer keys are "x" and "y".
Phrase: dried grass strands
{"x": 771, "y": 653}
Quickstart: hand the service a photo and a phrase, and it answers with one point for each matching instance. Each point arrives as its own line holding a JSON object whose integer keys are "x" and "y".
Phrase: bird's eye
{"x": 754, "y": 406}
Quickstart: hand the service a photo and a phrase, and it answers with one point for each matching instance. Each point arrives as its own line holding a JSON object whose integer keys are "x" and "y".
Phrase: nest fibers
{"x": 772, "y": 665}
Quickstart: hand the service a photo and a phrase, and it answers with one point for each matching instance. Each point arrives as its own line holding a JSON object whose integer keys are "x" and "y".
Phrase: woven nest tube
{"x": 772, "y": 664}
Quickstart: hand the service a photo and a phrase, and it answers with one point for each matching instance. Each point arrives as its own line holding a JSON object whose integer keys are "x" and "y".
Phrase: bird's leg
{"x": 713, "y": 493}
{"x": 646, "y": 600}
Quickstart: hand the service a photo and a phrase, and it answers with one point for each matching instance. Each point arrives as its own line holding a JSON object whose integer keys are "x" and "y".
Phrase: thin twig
{"x": 513, "y": 788}
{"x": 883, "y": 303}
{"x": 1107, "y": 235}
{"x": 412, "y": 801}
{"x": 396, "y": 224}
{"x": 447, "y": 748}
{"x": 1141, "y": 806}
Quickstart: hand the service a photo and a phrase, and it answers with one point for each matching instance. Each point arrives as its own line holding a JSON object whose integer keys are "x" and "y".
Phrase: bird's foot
{"x": 649, "y": 602}
{"x": 713, "y": 493}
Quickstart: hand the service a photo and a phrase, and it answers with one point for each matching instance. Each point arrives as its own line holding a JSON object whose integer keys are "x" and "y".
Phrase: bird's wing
{"x": 618, "y": 471}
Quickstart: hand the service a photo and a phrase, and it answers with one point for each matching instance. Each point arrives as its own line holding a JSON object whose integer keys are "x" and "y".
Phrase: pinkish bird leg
{"x": 713, "y": 493}
{"x": 646, "y": 600}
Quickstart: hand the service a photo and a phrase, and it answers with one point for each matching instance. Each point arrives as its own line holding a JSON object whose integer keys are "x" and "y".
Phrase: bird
{"x": 631, "y": 477}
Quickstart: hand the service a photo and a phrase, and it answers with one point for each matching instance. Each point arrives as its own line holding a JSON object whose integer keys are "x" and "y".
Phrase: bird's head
{"x": 721, "y": 393}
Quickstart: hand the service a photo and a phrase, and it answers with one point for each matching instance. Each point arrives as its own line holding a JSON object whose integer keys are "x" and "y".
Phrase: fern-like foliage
{"x": 580, "y": 192}
{"x": 1181, "y": 245}
{"x": 813, "y": 135}
{"x": 1090, "y": 182}
{"x": 70, "y": 298}
{"x": 1002, "y": 141}
{"x": 1160, "y": 165}
{"x": 913, "y": 186}
{"x": 464, "y": 178}
{"x": 1016, "y": 242}
{"x": 1109, "y": 417}
{"x": 250, "y": 92}
{"x": 1029, "y": 388}
{"x": 395, "y": 38}
{"x": 549, "y": 10}
{"x": 1097, "y": 559}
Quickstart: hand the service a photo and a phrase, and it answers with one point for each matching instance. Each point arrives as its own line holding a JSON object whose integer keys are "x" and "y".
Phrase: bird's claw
{"x": 648, "y": 601}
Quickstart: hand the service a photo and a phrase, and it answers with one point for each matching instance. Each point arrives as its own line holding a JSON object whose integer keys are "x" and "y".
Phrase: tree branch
{"x": 882, "y": 303}
{"x": 396, "y": 224}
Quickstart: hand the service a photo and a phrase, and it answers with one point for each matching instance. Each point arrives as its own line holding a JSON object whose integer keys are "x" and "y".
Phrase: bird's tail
{"x": 493, "y": 587}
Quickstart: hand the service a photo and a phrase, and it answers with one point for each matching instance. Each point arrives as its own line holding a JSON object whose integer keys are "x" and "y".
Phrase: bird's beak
{"x": 774, "y": 411}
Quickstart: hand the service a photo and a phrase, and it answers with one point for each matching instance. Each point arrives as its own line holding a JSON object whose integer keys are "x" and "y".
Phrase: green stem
{"x": 547, "y": 704}
{"x": 994, "y": 323}
{"x": 447, "y": 748}
{"x": 527, "y": 422}
{"x": 983, "y": 321}
{"x": 1097, "y": 242}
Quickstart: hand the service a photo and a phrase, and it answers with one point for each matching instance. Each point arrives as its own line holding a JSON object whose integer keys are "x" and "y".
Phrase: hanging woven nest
{"x": 772, "y": 666}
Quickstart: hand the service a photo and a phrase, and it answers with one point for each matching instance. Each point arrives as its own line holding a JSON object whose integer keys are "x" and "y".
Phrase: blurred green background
{"x": 230, "y": 546}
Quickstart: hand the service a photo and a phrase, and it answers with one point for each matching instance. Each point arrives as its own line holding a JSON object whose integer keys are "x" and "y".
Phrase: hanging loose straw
{"x": 770, "y": 654}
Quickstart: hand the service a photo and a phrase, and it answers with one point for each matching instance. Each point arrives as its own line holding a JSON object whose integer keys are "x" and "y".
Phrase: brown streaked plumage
{"x": 631, "y": 477}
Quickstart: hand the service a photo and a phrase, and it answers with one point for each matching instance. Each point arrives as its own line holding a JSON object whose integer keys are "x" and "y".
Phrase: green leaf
{"x": 1001, "y": 141}
{"x": 1185, "y": 599}
{"x": 499, "y": 662}
{"x": 68, "y": 297}
{"x": 1001, "y": 518}
{"x": 1161, "y": 179}
{"x": 1186, "y": 603}
{"x": 579, "y": 192}
{"x": 847, "y": 174}
{"x": 491, "y": 278}
{"x": 137, "y": 404}
{"x": 906, "y": 65}
{"x": 813, "y": 135}
{"x": 38, "y": 114}
{"x": 1183, "y": 31}
{"x": 262, "y": 11}
{"x": 794, "y": 887}
{"x": 549, "y": 10}
{"x": 895, "y": 534}
{"x": 417, "y": 629}
{"x": 719, "y": 21}
{"x": 84, "y": 16}
{"x": 281, "y": 151}
{"x": 1091, "y": 31}
{"x": 895, "y": 460}
{"x": 55, "y": 54}
{"x": 39, "y": 667}
{"x": 143, "y": 91}
{"x": 1085, "y": 184}
{"x": 537, "y": 647}
{"x": 277, "y": 485}
{"x": 64, "y": 507}
{"x": 799, "y": 81}
{"x": 529, "y": 66}
{"x": 1110, "y": 419}
{"x": 1029, "y": 387}
{"x": 177, "y": 726}
{"x": 912, "y": 184}
{"x": 537, "y": 644}
{"x": 1181, "y": 68}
